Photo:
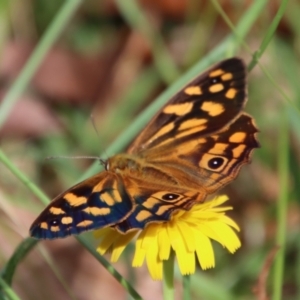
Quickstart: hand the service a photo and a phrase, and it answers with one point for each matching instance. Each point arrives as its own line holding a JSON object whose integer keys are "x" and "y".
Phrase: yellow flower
{"x": 187, "y": 233}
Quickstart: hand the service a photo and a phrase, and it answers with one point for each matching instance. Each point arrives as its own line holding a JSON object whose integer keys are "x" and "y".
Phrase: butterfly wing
{"x": 222, "y": 155}
{"x": 154, "y": 199}
{"x": 97, "y": 202}
{"x": 200, "y": 136}
{"x": 108, "y": 199}
{"x": 156, "y": 205}
{"x": 204, "y": 106}
{"x": 209, "y": 162}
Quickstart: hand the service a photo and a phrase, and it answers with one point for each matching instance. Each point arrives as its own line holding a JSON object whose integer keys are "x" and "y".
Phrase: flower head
{"x": 187, "y": 233}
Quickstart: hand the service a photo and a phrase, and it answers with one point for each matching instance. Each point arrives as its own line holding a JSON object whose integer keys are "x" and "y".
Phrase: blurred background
{"x": 109, "y": 61}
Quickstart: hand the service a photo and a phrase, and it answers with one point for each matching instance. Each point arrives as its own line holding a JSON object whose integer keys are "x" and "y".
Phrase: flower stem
{"x": 168, "y": 277}
{"x": 282, "y": 205}
{"x": 186, "y": 287}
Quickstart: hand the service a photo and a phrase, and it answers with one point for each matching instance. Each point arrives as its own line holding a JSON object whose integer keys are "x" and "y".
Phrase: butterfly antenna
{"x": 102, "y": 161}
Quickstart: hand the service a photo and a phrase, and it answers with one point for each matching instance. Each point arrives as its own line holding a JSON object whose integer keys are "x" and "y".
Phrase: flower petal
{"x": 187, "y": 233}
{"x": 226, "y": 236}
{"x": 154, "y": 264}
{"x": 99, "y": 233}
{"x": 164, "y": 244}
{"x": 109, "y": 236}
{"x": 148, "y": 234}
{"x": 120, "y": 244}
{"x": 204, "y": 250}
{"x": 230, "y": 222}
{"x": 139, "y": 254}
{"x": 186, "y": 261}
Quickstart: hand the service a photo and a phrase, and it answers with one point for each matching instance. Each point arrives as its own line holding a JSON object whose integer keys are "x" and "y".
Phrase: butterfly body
{"x": 194, "y": 146}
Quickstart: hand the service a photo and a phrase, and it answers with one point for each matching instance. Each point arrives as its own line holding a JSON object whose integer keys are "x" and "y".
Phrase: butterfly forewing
{"x": 204, "y": 106}
{"x": 98, "y": 202}
{"x": 202, "y": 135}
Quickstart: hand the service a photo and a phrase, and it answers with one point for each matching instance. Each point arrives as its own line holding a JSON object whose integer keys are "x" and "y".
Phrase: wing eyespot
{"x": 54, "y": 222}
{"x": 215, "y": 163}
{"x": 215, "y": 80}
{"x": 170, "y": 196}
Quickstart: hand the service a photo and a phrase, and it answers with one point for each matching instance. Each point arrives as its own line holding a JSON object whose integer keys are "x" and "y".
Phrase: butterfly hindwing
{"x": 156, "y": 206}
{"x": 218, "y": 158}
{"x": 231, "y": 148}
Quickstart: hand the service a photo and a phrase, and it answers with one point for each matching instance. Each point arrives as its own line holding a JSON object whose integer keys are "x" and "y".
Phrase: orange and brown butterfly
{"x": 194, "y": 145}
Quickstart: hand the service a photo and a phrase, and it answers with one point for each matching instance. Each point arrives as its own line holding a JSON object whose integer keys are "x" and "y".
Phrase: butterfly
{"x": 194, "y": 146}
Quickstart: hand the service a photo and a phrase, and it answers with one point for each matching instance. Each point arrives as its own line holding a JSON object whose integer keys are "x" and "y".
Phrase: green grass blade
{"x": 36, "y": 58}
{"x": 283, "y": 170}
{"x": 109, "y": 268}
{"x": 6, "y": 292}
{"x": 269, "y": 34}
{"x": 22, "y": 250}
{"x": 139, "y": 22}
{"x": 23, "y": 178}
